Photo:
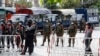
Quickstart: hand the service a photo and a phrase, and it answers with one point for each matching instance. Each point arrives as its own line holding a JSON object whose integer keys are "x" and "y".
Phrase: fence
{"x": 77, "y": 50}
{"x": 5, "y": 42}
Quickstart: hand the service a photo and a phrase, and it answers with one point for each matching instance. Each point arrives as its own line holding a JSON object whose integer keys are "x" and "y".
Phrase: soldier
{"x": 59, "y": 32}
{"x": 82, "y": 24}
{"x": 72, "y": 32}
{"x": 20, "y": 30}
{"x": 9, "y": 31}
{"x": 46, "y": 31}
{"x": 29, "y": 32}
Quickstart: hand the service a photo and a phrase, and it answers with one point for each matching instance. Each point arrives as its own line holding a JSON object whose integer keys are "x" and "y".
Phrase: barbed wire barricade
{"x": 77, "y": 50}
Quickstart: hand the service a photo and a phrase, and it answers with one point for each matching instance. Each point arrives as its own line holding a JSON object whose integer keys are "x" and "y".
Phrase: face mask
{"x": 20, "y": 24}
{"x": 47, "y": 21}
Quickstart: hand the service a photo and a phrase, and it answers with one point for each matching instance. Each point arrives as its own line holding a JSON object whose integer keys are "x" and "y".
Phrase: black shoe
{"x": 56, "y": 45}
{"x": 30, "y": 54}
{"x": 22, "y": 54}
{"x": 42, "y": 45}
{"x": 0, "y": 51}
{"x": 8, "y": 46}
{"x": 69, "y": 46}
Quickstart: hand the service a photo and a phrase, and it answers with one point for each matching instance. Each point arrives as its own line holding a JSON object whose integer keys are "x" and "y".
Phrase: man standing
{"x": 1, "y": 33}
{"x": 29, "y": 32}
{"x": 9, "y": 31}
{"x": 46, "y": 31}
{"x": 72, "y": 32}
{"x": 20, "y": 30}
{"x": 88, "y": 39}
{"x": 59, "y": 32}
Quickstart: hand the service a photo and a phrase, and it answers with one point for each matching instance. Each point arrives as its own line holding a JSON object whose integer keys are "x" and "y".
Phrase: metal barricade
{"x": 77, "y": 50}
{"x": 12, "y": 51}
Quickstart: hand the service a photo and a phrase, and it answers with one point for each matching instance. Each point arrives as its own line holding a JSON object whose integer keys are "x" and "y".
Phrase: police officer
{"x": 1, "y": 33}
{"x": 82, "y": 24}
{"x": 35, "y": 39}
{"x": 46, "y": 31}
{"x": 21, "y": 30}
{"x": 9, "y": 31}
{"x": 59, "y": 32}
{"x": 29, "y": 32}
{"x": 1, "y": 37}
{"x": 72, "y": 30}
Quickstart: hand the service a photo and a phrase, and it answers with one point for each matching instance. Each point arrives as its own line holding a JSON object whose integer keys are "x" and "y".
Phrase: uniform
{"x": 21, "y": 30}
{"x": 72, "y": 32}
{"x": 1, "y": 37}
{"x": 29, "y": 32}
{"x": 81, "y": 25}
{"x": 46, "y": 32}
{"x": 35, "y": 39}
{"x": 59, "y": 32}
{"x": 9, "y": 31}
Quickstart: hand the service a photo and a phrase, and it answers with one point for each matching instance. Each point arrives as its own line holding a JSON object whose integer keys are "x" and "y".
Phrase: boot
{"x": 62, "y": 43}
{"x": 73, "y": 45}
{"x": 22, "y": 53}
{"x": 69, "y": 45}
{"x": 42, "y": 44}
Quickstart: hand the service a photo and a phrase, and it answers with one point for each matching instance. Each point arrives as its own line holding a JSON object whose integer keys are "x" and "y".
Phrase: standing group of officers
{"x": 28, "y": 33}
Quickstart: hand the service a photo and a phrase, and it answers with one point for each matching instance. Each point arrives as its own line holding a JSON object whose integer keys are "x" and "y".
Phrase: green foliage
{"x": 70, "y": 4}
{"x": 52, "y": 4}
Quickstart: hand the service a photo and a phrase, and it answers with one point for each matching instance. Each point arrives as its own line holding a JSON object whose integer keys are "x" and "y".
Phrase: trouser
{"x": 61, "y": 38}
{"x": 87, "y": 46}
{"x": 22, "y": 40}
{"x": 10, "y": 39}
{"x": 2, "y": 38}
{"x": 18, "y": 41}
{"x": 73, "y": 41}
{"x": 46, "y": 36}
{"x": 35, "y": 40}
{"x": 29, "y": 44}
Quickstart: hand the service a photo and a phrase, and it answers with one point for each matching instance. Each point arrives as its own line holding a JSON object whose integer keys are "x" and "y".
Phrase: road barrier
{"x": 77, "y": 50}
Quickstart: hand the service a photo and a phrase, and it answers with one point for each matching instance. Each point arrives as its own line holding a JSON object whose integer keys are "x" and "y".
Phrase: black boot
{"x": 62, "y": 42}
{"x": 22, "y": 53}
{"x": 69, "y": 45}
{"x": 42, "y": 44}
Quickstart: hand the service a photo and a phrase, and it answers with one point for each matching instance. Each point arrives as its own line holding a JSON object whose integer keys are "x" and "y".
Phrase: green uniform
{"x": 46, "y": 32}
{"x": 59, "y": 33}
{"x": 72, "y": 32}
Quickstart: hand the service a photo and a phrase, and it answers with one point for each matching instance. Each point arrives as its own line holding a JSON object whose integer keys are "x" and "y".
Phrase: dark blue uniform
{"x": 30, "y": 31}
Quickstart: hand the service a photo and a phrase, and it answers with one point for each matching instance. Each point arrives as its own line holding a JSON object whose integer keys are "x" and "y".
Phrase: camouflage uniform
{"x": 72, "y": 32}
{"x": 59, "y": 33}
{"x": 46, "y": 32}
{"x": 81, "y": 25}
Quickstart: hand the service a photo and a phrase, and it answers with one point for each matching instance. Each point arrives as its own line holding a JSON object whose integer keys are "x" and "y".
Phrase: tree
{"x": 52, "y": 4}
{"x": 70, "y": 3}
